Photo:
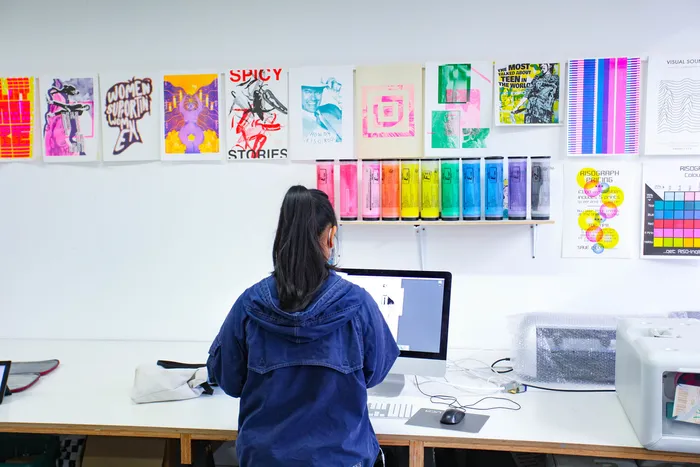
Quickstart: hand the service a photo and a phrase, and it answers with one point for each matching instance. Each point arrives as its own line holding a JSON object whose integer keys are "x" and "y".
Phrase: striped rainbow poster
{"x": 603, "y": 109}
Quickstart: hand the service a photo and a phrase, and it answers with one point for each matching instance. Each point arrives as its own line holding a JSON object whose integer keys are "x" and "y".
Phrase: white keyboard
{"x": 389, "y": 410}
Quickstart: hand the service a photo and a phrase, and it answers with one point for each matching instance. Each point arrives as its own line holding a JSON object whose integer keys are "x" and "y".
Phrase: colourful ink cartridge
{"x": 410, "y": 190}
{"x": 471, "y": 189}
{"x": 493, "y": 169}
{"x": 539, "y": 188}
{"x": 449, "y": 174}
{"x": 517, "y": 188}
{"x": 391, "y": 190}
{"x": 371, "y": 197}
{"x": 325, "y": 179}
{"x": 430, "y": 189}
{"x": 348, "y": 190}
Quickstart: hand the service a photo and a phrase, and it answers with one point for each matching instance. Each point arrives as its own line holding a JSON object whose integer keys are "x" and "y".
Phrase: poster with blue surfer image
{"x": 321, "y": 113}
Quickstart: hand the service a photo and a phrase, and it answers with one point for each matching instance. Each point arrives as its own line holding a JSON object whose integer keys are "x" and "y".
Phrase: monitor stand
{"x": 390, "y": 387}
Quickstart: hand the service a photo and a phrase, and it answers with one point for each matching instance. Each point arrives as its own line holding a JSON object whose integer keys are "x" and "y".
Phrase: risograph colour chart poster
{"x": 671, "y": 207}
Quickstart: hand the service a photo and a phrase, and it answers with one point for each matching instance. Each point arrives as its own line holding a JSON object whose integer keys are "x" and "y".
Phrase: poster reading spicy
{"x": 257, "y": 102}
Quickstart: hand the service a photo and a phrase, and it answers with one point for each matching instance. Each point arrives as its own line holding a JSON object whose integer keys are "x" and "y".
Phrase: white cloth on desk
{"x": 155, "y": 384}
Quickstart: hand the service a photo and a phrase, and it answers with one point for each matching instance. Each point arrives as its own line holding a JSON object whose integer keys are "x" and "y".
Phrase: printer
{"x": 652, "y": 354}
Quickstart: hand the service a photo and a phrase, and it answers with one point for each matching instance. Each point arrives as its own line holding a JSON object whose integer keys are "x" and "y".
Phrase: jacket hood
{"x": 336, "y": 303}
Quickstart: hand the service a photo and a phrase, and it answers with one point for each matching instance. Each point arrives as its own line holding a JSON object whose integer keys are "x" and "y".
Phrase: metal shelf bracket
{"x": 420, "y": 240}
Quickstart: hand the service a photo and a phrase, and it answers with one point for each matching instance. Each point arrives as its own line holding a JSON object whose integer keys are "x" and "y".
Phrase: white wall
{"x": 161, "y": 251}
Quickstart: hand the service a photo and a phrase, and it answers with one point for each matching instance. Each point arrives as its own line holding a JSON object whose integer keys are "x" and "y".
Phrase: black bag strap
{"x": 171, "y": 365}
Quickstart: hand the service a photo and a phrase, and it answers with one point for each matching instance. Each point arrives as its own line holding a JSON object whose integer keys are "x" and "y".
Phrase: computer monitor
{"x": 416, "y": 306}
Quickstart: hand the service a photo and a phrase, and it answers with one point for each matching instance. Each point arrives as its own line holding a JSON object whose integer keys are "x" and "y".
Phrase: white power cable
{"x": 495, "y": 380}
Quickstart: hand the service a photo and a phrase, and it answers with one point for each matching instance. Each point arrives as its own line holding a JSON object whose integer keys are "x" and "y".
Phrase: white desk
{"x": 89, "y": 394}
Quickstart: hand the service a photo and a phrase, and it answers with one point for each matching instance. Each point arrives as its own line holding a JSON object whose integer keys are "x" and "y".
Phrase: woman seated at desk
{"x": 301, "y": 348}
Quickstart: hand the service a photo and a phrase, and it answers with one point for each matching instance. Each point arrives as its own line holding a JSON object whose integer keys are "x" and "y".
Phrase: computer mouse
{"x": 452, "y": 416}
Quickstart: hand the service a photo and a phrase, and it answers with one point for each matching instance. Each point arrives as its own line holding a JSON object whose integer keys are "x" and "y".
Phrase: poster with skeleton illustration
{"x": 257, "y": 114}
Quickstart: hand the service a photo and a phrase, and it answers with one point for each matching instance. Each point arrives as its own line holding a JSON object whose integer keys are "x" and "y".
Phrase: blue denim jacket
{"x": 302, "y": 377}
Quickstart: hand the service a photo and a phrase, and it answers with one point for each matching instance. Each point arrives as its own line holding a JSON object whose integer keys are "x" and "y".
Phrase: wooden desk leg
{"x": 416, "y": 453}
{"x": 185, "y": 449}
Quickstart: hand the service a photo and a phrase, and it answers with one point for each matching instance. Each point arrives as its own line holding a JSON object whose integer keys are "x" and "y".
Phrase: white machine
{"x": 651, "y": 354}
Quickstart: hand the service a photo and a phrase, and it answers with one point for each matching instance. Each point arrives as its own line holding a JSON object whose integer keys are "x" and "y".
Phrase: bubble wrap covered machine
{"x": 564, "y": 350}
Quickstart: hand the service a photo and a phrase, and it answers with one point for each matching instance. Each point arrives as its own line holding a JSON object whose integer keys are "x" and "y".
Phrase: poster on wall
{"x": 673, "y": 106}
{"x": 389, "y": 111}
{"x": 458, "y": 112}
{"x": 190, "y": 109}
{"x": 70, "y": 108}
{"x": 528, "y": 93}
{"x": 17, "y": 98}
{"x": 321, "y": 113}
{"x": 599, "y": 210}
{"x": 603, "y": 107}
{"x": 257, "y": 119}
{"x": 130, "y": 126}
{"x": 671, "y": 210}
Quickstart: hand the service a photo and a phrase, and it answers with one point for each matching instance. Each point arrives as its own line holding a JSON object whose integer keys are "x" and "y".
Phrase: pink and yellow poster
{"x": 16, "y": 118}
{"x": 191, "y": 117}
{"x": 389, "y": 111}
{"x": 69, "y": 106}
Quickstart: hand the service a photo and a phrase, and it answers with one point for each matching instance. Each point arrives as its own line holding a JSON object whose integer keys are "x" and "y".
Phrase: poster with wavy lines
{"x": 673, "y": 106}
{"x": 603, "y": 107}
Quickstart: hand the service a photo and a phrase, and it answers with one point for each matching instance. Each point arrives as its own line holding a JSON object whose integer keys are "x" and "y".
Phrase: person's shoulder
{"x": 255, "y": 293}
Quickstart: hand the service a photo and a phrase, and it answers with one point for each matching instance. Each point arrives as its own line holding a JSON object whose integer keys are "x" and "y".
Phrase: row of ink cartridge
{"x": 469, "y": 189}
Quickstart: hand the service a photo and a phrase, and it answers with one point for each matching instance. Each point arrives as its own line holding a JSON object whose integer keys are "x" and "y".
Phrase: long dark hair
{"x": 300, "y": 264}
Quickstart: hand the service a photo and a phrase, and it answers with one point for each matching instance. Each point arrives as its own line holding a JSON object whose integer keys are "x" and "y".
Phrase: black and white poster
{"x": 673, "y": 105}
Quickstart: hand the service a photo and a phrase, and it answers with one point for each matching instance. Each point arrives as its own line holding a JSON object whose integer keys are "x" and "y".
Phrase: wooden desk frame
{"x": 416, "y": 445}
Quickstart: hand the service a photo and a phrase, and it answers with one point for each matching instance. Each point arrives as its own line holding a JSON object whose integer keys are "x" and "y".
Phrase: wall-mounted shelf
{"x": 420, "y": 225}
{"x": 447, "y": 223}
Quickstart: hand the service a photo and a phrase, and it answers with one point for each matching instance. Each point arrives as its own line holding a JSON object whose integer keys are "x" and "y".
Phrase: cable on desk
{"x": 452, "y": 401}
{"x": 567, "y": 390}
{"x": 491, "y": 377}
{"x": 501, "y": 370}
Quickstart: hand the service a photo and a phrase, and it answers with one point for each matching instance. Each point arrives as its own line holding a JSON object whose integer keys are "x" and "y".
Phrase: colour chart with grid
{"x": 672, "y": 223}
